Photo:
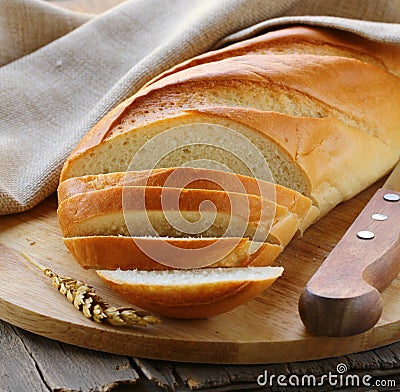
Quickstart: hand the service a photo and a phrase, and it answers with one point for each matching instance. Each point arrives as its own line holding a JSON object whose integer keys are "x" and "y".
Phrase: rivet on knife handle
{"x": 343, "y": 297}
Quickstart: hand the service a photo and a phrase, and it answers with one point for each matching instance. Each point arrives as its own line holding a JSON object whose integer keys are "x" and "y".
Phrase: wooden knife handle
{"x": 343, "y": 297}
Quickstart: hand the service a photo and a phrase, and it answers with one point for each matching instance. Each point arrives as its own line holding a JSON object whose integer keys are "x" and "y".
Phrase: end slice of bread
{"x": 196, "y": 178}
{"x": 199, "y": 293}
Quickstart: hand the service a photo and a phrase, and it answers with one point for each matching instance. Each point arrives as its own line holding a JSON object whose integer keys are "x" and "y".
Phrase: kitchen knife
{"x": 343, "y": 297}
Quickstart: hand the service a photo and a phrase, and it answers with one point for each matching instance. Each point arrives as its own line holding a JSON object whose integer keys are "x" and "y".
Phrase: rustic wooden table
{"x": 33, "y": 363}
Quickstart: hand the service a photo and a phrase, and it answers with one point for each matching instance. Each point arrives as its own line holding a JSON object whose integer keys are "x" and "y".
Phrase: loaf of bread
{"x": 158, "y": 253}
{"x": 195, "y": 293}
{"x": 319, "y": 121}
{"x": 304, "y": 40}
{"x": 319, "y": 106}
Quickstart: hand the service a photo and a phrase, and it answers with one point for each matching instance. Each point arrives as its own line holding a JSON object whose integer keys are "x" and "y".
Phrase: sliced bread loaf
{"x": 196, "y": 178}
{"x": 156, "y": 211}
{"x": 198, "y": 293}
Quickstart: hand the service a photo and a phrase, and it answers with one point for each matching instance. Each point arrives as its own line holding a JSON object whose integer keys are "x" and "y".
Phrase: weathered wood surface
{"x": 17, "y": 368}
{"x": 30, "y": 362}
{"x": 63, "y": 365}
{"x": 159, "y": 372}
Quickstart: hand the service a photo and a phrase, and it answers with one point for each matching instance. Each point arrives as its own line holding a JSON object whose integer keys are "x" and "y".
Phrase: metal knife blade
{"x": 343, "y": 297}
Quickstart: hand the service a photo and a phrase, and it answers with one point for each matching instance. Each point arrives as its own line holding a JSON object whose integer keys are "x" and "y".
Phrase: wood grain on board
{"x": 267, "y": 329}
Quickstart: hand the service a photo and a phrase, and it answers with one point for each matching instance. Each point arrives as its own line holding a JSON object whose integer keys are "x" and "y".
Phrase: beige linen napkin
{"x": 66, "y": 70}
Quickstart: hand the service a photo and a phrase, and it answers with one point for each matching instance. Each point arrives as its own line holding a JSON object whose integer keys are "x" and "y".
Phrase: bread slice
{"x": 349, "y": 105}
{"x": 205, "y": 213}
{"x": 155, "y": 253}
{"x": 304, "y": 40}
{"x": 199, "y": 293}
{"x": 196, "y": 178}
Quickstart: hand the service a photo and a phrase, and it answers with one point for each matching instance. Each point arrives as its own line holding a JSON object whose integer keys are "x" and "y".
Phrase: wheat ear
{"x": 86, "y": 300}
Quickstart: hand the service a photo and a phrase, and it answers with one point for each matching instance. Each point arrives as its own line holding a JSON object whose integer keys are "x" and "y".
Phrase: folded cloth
{"x": 66, "y": 70}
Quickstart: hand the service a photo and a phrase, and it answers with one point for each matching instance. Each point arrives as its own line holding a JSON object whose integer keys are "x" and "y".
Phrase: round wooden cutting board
{"x": 267, "y": 329}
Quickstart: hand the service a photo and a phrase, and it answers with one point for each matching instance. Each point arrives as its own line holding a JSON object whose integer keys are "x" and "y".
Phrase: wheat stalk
{"x": 85, "y": 299}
